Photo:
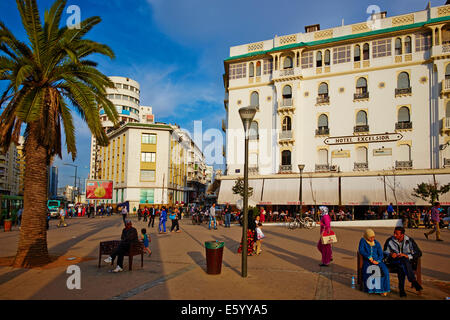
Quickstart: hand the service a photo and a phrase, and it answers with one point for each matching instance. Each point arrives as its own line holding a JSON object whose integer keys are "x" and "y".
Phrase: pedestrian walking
{"x": 325, "y": 227}
{"x": 124, "y": 213}
{"x": 146, "y": 240}
{"x": 435, "y": 219}
{"x": 259, "y": 237}
{"x": 212, "y": 216}
{"x": 145, "y": 214}
{"x": 62, "y": 216}
{"x": 139, "y": 212}
{"x": 162, "y": 220}
{"x": 19, "y": 217}
{"x": 174, "y": 217}
{"x": 152, "y": 214}
{"x": 227, "y": 212}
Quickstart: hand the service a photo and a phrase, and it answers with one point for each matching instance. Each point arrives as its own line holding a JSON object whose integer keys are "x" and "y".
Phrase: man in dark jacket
{"x": 129, "y": 236}
{"x": 402, "y": 251}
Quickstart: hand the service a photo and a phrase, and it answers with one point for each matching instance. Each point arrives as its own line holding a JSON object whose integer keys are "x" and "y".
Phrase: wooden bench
{"x": 108, "y": 247}
{"x": 417, "y": 267}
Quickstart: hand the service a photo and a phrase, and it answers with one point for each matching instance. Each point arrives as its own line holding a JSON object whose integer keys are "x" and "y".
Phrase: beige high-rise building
{"x": 9, "y": 171}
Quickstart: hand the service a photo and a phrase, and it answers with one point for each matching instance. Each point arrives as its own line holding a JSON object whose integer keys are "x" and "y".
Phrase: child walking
{"x": 259, "y": 237}
{"x": 146, "y": 239}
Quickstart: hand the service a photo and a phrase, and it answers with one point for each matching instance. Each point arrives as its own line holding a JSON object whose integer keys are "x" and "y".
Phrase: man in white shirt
{"x": 212, "y": 216}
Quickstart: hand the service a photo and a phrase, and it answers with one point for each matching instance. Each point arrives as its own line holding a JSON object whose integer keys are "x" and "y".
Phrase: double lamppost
{"x": 247, "y": 114}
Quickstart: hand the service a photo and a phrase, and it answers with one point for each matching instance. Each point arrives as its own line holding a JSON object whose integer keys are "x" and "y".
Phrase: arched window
{"x": 323, "y": 90}
{"x": 286, "y": 158}
{"x": 403, "y": 81}
{"x": 361, "y": 118}
{"x": 276, "y": 63}
{"x": 408, "y": 45}
{"x": 366, "y": 55}
{"x": 323, "y": 156}
{"x": 357, "y": 53}
{"x": 322, "y": 123}
{"x": 254, "y": 99}
{"x": 319, "y": 59}
{"x": 361, "y": 155}
{"x": 253, "y": 133}
{"x": 403, "y": 115}
{"x": 287, "y": 63}
{"x": 258, "y": 68}
{"x": 327, "y": 57}
{"x": 398, "y": 47}
{"x": 361, "y": 86}
{"x": 287, "y": 126}
{"x": 447, "y": 72}
{"x": 447, "y": 110}
{"x": 251, "y": 70}
{"x": 287, "y": 96}
{"x": 404, "y": 152}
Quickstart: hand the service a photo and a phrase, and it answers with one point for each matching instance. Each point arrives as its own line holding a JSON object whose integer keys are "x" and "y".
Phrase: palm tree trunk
{"x": 32, "y": 249}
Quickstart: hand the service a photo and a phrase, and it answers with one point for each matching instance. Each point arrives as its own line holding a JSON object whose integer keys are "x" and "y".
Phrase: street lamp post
{"x": 247, "y": 114}
{"x": 300, "y": 196}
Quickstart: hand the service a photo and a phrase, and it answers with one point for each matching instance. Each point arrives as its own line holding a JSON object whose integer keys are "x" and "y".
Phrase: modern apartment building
{"x": 9, "y": 171}
{"x": 363, "y": 108}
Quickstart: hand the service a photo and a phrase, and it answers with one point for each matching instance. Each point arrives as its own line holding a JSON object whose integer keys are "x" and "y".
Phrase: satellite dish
{"x": 240, "y": 204}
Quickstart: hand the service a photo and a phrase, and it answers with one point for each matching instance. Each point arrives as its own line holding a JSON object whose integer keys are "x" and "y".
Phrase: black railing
{"x": 403, "y": 125}
{"x": 322, "y": 131}
{"x": 403, "y": 91}
{"x": 361, "y": 128}
{"x": 359, "y": 96}
{"x": 323, "y": 99}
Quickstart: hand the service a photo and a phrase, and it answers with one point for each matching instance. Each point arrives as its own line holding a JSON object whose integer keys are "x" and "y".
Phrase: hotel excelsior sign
{"x": 368, "y": 138}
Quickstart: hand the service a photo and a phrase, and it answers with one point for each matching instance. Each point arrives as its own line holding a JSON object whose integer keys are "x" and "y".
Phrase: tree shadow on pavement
{"x": 11, "y": 275}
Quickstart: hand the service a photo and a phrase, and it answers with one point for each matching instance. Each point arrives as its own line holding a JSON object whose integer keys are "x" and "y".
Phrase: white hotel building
{"x": 364, "y": 107}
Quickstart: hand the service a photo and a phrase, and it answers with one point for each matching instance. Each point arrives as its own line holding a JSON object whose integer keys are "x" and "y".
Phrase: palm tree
{"x": 44, "y": 77}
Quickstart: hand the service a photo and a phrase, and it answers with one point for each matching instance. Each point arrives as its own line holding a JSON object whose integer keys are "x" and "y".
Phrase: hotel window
{"x": 147, "y": 196}
{"x": 423, "y": 41}
{"x": 341, "y": 54}
{"x": 323, "y": 156}
{"x": 408, "y": 45}
{"x": 323, "y": 90}
{"x": 118, "y": 85}
{"x": 307, "y": 60}
{"x": 403, "y": 115}
{"x": 398, "y": 47}
{"x": 381, "y": 48}
{"x": 268, "y": 66}
{"x": 403, "y": 81}
{"x": 288, "y": 64}
{"x": 327, "y": 57}
{"x": 361, "y": 118}
{"x": 447, "y": 72}
{"x": 366, "y": 51}
{"x": 404, "y": 153}
{"x": 251, "y": 70}
{"x": 361, "y": 155}
{"x": 322, "y": 123}
{"x": 148, "y": 157}
{"x": 148, "y": 138}
{"x": 254, "y": 99}
{"x": 447, "y": 110}
{"x": 361, "y": 86}
{"x": 287, "y": 96}
{"x": 238, "y": 70}
{"x": 357, "y": 53}
{"x": 258, "y": 68}
{"x": 319, "y": 59}
{"x": 287, "y": 124}
{"x": 286, "y": 158}
{"x": 125, "y": 86}
{"x": 253, "y": 133}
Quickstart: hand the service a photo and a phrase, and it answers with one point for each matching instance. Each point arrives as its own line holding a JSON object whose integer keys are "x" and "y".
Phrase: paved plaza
{"x": 287, "y": 269}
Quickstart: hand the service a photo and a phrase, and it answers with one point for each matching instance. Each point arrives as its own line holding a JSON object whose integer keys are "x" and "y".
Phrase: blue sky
{"x": 175, "y": 48}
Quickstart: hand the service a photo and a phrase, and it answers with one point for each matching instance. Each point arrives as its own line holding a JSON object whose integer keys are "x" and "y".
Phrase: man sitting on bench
{"x": 129, "y": 236}
{"x": 402, "y": 251}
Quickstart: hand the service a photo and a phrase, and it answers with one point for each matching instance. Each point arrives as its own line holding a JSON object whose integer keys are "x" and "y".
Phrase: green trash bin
{"x": 214, "y": 254}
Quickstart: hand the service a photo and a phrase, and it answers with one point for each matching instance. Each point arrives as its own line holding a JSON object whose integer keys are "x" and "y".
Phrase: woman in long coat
{"x": 373, "y": 255}
{"x": 325, "y": 227}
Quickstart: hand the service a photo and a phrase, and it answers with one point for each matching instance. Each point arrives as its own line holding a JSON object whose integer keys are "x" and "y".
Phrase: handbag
{"x": 328, "y": 238}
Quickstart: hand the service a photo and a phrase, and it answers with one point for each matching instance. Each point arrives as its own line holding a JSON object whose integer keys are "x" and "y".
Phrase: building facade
{"x": 9, "y": 171}
{"x": 364, "y": 108}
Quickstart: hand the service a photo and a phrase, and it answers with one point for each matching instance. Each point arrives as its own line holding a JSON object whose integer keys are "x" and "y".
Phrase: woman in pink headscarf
{"x": 325, "y": 249}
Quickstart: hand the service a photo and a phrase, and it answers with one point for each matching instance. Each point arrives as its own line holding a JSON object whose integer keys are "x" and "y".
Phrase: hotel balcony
{"x": 285, "y": 135}
{"x": 286, "y": 168}
{"x": 445, "y": 125}
{"x": 286, "y": 73}
{"x": 399, "y": 165}
{"x": 323, "y": 99}
{"x": 322, "y": 131}
{"x": 361, "y": 128}
{"x": 286, "y": 105}
{"x": 361, "y": 166}
{"x": 403, "y": 125}
{"x": 322, "y": 168}
{"x": 402, "y": 92}
{"x": 446, "y": 163}
{"x": 361, "y": 96}
{"x": 445, "y": 86}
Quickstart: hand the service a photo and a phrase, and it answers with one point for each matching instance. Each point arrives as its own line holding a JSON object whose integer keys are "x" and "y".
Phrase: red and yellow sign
{"x": 99, "y": 189}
